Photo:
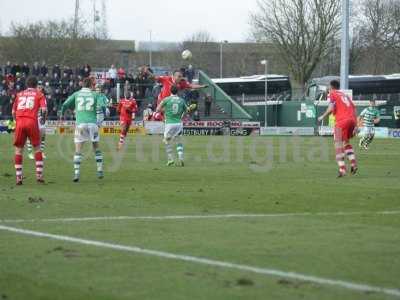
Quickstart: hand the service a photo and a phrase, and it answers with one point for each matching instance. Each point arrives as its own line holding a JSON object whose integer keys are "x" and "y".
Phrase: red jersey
{"x": 344, "y": 108}
{"x": 27, "y": 104}
{"x": 167, "y": 82}
{"x": 126, "y": 108}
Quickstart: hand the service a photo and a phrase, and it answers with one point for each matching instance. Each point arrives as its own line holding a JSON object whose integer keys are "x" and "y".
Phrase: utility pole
{"x": 76, "y": 18}
{"x": 104, "y": 28}
{"x": 345, "y": 46}
{"x": 94, "y": 20}
{"x": 151, "y": 49}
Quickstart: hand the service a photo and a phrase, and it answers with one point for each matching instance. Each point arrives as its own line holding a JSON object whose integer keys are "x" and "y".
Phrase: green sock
{"x": 179, "y": 149}
{"x": 77, "y": 164}
{"x": 99, "y": 160}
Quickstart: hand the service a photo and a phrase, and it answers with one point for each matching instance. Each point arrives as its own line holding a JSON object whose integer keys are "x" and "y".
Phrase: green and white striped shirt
{"x": 369, "y": 115}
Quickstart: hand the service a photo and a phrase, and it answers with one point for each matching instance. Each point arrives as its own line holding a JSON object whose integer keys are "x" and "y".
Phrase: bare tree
{"x": 301, "y": 30}
{"x": 200, "y": 43}
{"x": 53, "y": 41}
{"x": 201, "y": 36}
{"x": 380, "y": 32}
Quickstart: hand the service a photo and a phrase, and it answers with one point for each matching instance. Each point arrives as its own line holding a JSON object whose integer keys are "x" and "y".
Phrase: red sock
{"x": 123, "y": 136}
{"x": 350, "y": 155}
{"x": 18, "y": 166}
{"x": 39, "y": 165}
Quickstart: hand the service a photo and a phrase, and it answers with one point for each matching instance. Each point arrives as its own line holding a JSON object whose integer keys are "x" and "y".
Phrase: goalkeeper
{"x": 174, "y": 108}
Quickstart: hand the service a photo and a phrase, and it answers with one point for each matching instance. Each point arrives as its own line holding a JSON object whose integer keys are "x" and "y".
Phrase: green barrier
{"x": 232, "y": 109}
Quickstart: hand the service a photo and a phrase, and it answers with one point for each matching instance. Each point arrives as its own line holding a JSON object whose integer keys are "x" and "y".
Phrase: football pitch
{"x": 246, "y": 218}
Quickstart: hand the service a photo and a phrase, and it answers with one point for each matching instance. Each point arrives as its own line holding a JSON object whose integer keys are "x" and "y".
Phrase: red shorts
{"x": 26, "y": 128}
{"x": 125, "y": 122}
{"x": 344, "y": 130}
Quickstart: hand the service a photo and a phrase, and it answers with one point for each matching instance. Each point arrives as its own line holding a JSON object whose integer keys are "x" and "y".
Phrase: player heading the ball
{"x": 167, "y": 82}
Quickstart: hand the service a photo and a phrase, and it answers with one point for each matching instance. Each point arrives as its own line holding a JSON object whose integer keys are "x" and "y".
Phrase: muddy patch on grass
{"x": 68, "y": 253}
{"x": 35, "y": 200}
{"x": 244, "y": 282}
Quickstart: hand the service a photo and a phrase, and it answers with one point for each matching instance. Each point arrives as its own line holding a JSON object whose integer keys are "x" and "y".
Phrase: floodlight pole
{"x": 265, "y": 63}
{"x": 345, "y": 46}
{"x": 221, "y": 75}
{"x": 151, "y": 49}
{"x": 220, "y": 60}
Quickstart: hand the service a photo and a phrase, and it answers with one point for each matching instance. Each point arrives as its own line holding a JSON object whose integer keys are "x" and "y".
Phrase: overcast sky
{"x": 170, "y": 20}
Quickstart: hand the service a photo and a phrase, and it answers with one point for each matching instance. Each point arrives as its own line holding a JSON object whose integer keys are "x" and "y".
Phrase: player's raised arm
{"x": 328, "y": 111}
{"x": 197, "y": 86}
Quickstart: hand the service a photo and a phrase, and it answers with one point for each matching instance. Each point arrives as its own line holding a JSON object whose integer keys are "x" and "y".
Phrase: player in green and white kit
{"x": 86, "y": 103}
{"x": 369, "y": 117}
{"x": 174, "y": 108}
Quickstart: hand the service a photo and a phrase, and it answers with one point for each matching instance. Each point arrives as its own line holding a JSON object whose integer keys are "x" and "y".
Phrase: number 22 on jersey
{"x": 85, "y": 103}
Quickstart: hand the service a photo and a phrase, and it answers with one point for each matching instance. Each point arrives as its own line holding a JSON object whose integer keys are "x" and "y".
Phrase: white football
{"x": 187, "y": 55}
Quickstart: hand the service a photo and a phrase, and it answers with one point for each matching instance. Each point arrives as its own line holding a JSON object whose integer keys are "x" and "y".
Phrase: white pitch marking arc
{"x": 194, "y": 217}
{"x": 360, "y": 287}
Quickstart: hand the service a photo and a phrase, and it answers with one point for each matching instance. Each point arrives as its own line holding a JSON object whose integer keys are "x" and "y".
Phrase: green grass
{"x": 221, "y": 176}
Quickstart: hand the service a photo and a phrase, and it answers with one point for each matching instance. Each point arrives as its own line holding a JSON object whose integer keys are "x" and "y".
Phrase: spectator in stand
{"x": 196, "y": 115}
{"x": 68, "y": 71}
{"x": 16, "y": 68}
{"x": 190, "y": 74}
{"x": 3, "y": 85}
{"x": 5, "y": 103}
{"x": 44, "y": 71}
{"x": 1, "y": 71}
{"x": 142, "y": 81}
{"x": 121, "y": 74}
{"x": 7, "y": 68}
{"x": 11, "y": 91}
{"x": 87, "y": 70}
{"x": 47, "y": 88}
{"x": 56, "y": 70}
{"x": 112, "y": 75}
{"x": 36, "y": 69}
{"x": 25, "y": 69}
{"x": 20, "y": 82}
{"x": 208, "y": 102}
{"x": 148, "y": 113}
{"x": 64, "y": 80}
{"x": 55, "y": 81}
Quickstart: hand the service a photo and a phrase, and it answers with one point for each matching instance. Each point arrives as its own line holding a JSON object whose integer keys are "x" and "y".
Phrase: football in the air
{"x": 187, "y": 54}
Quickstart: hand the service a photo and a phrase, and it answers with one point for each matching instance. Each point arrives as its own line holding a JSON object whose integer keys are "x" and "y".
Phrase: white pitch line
{"x": 210, "y": 262}
{"x": 188, "y": 217}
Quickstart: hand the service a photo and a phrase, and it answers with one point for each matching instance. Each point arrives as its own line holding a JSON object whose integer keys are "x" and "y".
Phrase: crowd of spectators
{"x": 59, "y": 82}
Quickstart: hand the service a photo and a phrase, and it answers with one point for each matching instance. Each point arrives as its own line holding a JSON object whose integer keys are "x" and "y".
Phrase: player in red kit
{"x": 126, "y": 109}
{"x": 342, "y": 106}
{"x": 26, "y": 108}
{"x": 167, "y": 82}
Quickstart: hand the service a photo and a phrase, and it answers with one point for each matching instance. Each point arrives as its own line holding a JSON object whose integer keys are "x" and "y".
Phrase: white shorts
{"x": 369, "y": 130}
{"x": 87, "y": 133}
{"x": 172, "y": 131}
